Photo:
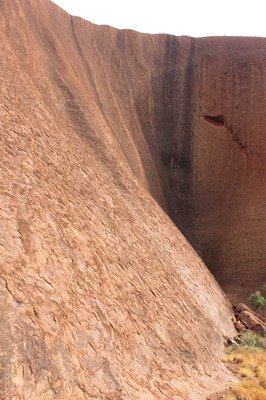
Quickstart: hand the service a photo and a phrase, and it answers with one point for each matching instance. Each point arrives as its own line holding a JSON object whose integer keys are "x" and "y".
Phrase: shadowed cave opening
{"x": 217, "y": 120}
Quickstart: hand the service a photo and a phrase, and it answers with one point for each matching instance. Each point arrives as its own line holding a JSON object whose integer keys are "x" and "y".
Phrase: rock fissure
{"x": 220, "y": 121}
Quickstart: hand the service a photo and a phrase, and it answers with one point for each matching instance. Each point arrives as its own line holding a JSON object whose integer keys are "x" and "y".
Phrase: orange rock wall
{"x": 101, "y": 295}
{"x": 207, "y": 175}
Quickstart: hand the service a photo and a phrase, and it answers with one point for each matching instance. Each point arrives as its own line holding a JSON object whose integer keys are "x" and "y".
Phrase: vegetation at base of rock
{"x": 257, "y": 300}
{"x": 248, "y": 340}
{"x": 248, "y": 358}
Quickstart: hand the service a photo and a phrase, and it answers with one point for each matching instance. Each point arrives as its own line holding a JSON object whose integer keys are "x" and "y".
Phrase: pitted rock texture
{"x": 186, "y": 115}
{"x": 189, "y": 116}
{"x": 101, "y": 296}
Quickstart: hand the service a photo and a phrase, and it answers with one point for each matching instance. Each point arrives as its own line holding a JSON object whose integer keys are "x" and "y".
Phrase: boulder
{"x": 242, "y": 307}
{"x": 240, "y": 326}
{"x": 251, "y": 321}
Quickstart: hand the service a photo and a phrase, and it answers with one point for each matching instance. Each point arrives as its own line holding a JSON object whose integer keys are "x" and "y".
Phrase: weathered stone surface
{"x": 187, "y": 116}
{"x": 240, "y": 326}
{"x": 251, "y": 321}
{"x": 241, "y": 307}
{"x": 101, "y": 296}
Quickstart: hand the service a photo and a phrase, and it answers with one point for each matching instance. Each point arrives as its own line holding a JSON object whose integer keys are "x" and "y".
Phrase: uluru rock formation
{"x": 105, "y": 135}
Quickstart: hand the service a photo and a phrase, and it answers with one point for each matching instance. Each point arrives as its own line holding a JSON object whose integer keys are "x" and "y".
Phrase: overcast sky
{"x": 179, "y": 17}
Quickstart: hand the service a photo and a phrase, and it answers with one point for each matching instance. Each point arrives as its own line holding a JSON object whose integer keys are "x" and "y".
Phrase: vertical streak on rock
{"x": 187, "y": 133}
{"x": 178, "y": 137}
{"x": 86, "y": 65}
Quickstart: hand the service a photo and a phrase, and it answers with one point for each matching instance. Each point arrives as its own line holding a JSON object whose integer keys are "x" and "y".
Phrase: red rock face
{"x": 195, "y": 111}
{"x": 101, "y": 295}
{"x": 188, "y": 116}
{"x": 230, "y": 161}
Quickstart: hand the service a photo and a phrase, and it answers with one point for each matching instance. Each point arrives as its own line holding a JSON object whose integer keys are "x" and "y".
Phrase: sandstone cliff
{"x": 187, "y": 115}
{"x": 101, "y": 295}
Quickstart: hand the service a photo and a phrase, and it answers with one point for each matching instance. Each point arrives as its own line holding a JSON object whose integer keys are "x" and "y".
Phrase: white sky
{"x": 179, "y": 17}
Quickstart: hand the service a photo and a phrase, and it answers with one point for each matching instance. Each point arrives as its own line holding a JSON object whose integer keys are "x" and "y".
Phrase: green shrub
{"x": 257, "y": 300}
{"x": 251, "y": 340}
{"x": 248, "y": 340}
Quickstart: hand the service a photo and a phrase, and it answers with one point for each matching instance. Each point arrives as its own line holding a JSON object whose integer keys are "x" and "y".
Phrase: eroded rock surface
{"x": 186, "y": 115}
{"x": 101, "y": 295}
{"x": 246, "y": 318}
